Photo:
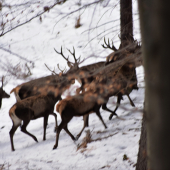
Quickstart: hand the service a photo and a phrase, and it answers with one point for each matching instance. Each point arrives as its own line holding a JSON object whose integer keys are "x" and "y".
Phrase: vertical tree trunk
{"x": 155, "y": 29}
{"x": 142, "y": 154}
{"x": 126, "y": 22}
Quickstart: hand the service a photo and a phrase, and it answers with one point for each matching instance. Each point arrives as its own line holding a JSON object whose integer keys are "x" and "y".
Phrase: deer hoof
{"x": 54, "y": 147}
{"x": 36, "y": 139}
{"x": 110, "y": 117}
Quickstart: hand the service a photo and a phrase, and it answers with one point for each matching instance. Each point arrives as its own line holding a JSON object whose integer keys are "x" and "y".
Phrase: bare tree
{"x": 126, "y": 22}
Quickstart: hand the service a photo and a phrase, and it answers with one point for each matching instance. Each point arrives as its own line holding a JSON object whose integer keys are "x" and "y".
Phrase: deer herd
{"x": 99, "y": 81}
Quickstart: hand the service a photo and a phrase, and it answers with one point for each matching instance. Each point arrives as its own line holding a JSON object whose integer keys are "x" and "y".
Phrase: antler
{"x": 61, "y": 53}
{"x": 108, "y": 45}
{"x": 70, "y": 64}
{"x": 77, "y": 61}
{"x": 62, "y": 71}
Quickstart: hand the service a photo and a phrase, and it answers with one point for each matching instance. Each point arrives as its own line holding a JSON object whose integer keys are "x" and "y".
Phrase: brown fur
{"x": 60, "y": 106}
{"x": 16, "y": 89}
{"x": 78, "y": 105}
{"x": 29, "y": 109}
{"x": 12, "y": 110}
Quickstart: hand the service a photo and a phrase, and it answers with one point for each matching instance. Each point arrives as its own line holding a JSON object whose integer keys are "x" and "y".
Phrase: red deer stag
{"x": 123, "y": 69}
{"x": 128, "y": 70}
{"x": 33, "y": 87}
{"x": 35, "y": 107}
{"x": 3, "y": 94}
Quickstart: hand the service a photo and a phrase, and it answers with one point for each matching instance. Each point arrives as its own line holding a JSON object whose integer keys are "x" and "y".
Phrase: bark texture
{"x": 155, "y": 29}
{"x": 126, "y": 22}
{"x": 142, "y": 154}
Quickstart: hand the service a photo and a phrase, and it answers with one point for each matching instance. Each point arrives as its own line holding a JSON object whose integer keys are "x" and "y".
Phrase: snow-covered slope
{"x": 36, "y": 42}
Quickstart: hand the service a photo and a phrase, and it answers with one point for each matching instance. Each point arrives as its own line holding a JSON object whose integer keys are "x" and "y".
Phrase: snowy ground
{"x": 36, "y": 41}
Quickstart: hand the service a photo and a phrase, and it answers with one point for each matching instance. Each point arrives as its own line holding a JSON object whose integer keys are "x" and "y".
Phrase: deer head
{"x": 3, "y": 94}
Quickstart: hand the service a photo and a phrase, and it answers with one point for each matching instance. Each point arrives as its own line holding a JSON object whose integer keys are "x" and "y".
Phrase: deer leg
{"x": 63, "y": 125}
{"x": 45, "y": 126}
{"x": 69, "y": 133}
{"x": 86, "y": 120}
{"x": 104, "y": 107}
{"x": 23, "y": 129}
{"x": 11, "y": 133}
{"x": 60, "y": 127}
{"x": 100, "y": 117}
{"x": 131, "y": 102}
{"x": 85, "y": 117}
{"x": 56, "y": 124}
{"x": 119, "y": 98}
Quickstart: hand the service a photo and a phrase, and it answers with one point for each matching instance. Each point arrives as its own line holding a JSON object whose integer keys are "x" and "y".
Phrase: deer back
{"x": 78, "y": 105}
{"x": 40, "y": 86}
{"x": 114, "y": 79}
{"x": 40, "y": 105}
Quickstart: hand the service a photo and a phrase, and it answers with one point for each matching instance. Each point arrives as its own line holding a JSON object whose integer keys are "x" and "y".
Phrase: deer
{"x": 117, "y": 79}
{"x": 123, "y": 70}
{"x": 128, "y": 69}
{"x": 34, "y": 107}
{"x": 3, "y": 94}
{"x": 31, "y": 88}
{"x": 118, "y": 82}
{"x": 77, "y": 105}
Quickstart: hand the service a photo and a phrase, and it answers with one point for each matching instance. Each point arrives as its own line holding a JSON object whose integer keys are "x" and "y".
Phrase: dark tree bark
{"x": 126, "y": 22}
{"x": 155, "y": 29}
{"x": 142, "y": 154}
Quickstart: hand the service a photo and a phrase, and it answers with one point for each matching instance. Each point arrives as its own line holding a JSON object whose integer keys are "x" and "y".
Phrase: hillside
{"x": 36, "y": 42}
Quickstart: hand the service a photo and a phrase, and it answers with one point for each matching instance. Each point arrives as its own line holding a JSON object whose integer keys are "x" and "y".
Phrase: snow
{"x": 36, "y": 42}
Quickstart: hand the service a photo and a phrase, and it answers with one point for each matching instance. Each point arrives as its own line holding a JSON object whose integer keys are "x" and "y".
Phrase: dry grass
{"x": 77, "y": 24}
{"x": 87, "y": 139}
{"x": 4, "y": 166}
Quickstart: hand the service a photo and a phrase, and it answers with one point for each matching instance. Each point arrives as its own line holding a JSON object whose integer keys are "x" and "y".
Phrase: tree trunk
{"x": 155, "y": 29}
{"x": 142, "y": 154}
{"x": 126, "y": 22}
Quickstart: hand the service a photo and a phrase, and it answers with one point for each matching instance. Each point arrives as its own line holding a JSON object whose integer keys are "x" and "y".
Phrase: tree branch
{"x": 57, "y": 3}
